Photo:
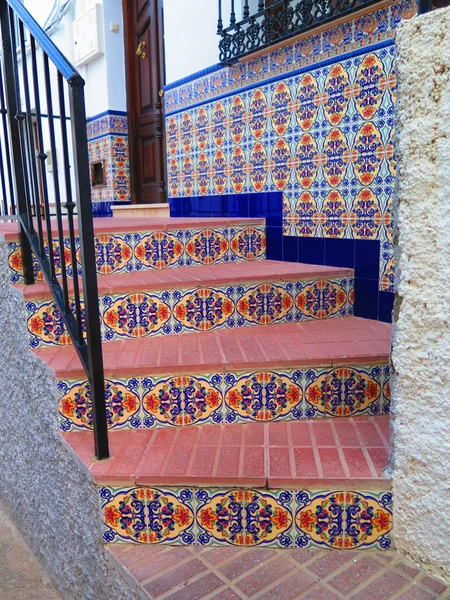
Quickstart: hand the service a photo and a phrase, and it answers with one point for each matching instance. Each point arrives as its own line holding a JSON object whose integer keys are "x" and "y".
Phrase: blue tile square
{"x": 366, "y": 298}
{"x": 367, "y": 259}
{"x": 219, "y": 206}
{"x": 340, "y": 253}
{"x": 385, "y": 306}
{"x": 238, "y": 205}
{"x": 176, "y": 207}
{"x": 203, "y": 207}
{"x": 257, "y": 205}
{"x": 311, "y": 250}
{"x": 189, "y": 207}
{"x": 274, "y": 241}
{"x": 274, "y": 209}
{"x": 290, "y": 248}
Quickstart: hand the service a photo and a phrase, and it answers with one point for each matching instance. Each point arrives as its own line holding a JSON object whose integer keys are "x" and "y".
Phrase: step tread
{"x": 290, "y": 454}
{"x": 202, "y": 275}
{"x": 327, "y": 342}
{"x": 237, "y": 573}
{"x": 123, "y": 225}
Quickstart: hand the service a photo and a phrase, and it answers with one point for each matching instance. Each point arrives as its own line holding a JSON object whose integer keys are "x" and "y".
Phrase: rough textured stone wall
{"x": 47, "y": 490}
{"x": 421, "y": 342}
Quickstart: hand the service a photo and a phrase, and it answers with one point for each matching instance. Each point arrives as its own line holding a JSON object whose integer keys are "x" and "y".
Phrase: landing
{"x": 123, "y": 225}
{"x": 267, "y": 574}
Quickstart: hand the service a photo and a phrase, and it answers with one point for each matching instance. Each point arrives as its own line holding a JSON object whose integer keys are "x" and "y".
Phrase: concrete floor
{"x": 21, "y": 576}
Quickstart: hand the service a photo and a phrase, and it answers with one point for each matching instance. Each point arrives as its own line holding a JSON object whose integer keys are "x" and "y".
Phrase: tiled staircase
{"x": 246, "y": 405}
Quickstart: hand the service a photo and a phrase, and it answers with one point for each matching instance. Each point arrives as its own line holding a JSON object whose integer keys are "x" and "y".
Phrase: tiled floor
{"x": 267, "y": 271}
{"x": 319, "y": 343}
{"x": 265, "y": 574}
{"x": 295, "y": 454}
{"x": 117, "y": 224}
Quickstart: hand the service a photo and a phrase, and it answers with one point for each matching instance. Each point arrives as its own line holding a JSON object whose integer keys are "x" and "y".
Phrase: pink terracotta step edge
{"x": 344, "y": 453}
{"x": 123, "y": 225}
{"x": 258, "y": 271}
{"x": 330, "y": 342}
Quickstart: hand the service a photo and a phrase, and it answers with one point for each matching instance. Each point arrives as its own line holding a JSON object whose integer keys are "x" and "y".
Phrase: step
{"x": 135, "y": 245}
{"x": 201, "y": 298}
{"x": 302, "y": 483}
{"x": 227, "y": 573}
{"x": 139, "y": 211}
{"x": 335, "y": 367}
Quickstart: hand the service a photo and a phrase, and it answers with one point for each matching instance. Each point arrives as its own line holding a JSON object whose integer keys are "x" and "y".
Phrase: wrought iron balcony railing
{"x": 277, "y": 22}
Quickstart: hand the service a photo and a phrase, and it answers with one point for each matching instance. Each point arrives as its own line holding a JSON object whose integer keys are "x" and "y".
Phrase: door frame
{"x": 130, "y": 80}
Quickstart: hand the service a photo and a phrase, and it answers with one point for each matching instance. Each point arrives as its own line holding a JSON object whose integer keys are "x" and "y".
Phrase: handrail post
{"x": 88, "y": 263}
{"x": 11, "y": 87}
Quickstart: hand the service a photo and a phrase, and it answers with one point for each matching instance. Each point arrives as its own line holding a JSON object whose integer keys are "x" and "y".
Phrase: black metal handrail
{"x": 26, "y": 191}
{"x": 277, "y": 22}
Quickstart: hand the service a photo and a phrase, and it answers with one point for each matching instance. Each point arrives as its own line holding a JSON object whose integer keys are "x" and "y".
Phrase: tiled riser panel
{"x": 149, "y": 402}
{"x": 279, "y": 519}
{"x": 136, "y": 252}
{"x": 203, "y": 309}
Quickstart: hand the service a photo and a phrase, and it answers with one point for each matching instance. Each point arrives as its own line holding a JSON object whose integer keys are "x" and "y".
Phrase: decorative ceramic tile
{"x": 114, "y": 253}
{"x": 142, "y": 314}
{"x": 135, "y": 315}
{"x": 46, "y": 326}
{"x": 139, "y": 251}
{"x": 342, "y": 519}
{"x": 182, "y": 400}
{"x": 16, "y": 266}
{"x": 244, "y": 518}
{"x": 148, "y": 515}
{"x": 252, "y": 396}
{"x": 306, "y": 393}
{"x": 324, "y": 298}
{"x": 123, "y": 404}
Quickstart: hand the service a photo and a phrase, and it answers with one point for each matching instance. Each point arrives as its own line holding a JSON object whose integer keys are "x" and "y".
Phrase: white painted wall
{"x": 105, "y": 76}
{"x": 421, "y": 341}
{"x": 191, "y": 41}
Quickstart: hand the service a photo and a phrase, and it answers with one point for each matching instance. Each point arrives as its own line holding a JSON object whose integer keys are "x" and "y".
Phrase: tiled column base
{"x": 251, "y": 396}
{"x": 343, "y": 519}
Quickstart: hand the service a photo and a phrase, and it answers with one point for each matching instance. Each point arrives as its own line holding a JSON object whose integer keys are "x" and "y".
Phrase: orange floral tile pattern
{"x": 315, "y": 115}
{"x": 212, "y": 398}
{"x": 247, "y": 518}
{"x": 139, "y": 251}
{"x": 148, "y": 515}
{"x": 201, "y": 309}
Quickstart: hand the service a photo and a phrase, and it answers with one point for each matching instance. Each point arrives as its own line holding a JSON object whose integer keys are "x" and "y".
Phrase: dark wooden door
{"x": 143, "y": 21}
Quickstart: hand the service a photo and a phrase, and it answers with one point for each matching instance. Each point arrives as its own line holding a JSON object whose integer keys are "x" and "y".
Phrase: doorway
{"x": 144, "y": 61}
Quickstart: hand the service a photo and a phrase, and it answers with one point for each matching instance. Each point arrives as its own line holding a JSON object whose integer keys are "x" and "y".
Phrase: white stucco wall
{"x": 421, "y": 341}
{"x": 190, "y": 35}
{"x": 105, "y": 76}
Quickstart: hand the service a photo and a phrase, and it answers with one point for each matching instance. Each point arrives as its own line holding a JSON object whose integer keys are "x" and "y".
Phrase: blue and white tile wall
{"x": 303, "y": 136}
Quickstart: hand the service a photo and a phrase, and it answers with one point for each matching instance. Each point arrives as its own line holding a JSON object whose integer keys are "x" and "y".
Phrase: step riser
{"x": 200, "y": 309}
{"x": 140, "y": 251}
{"x": 343, "y": 519}
{"x": 252, "y": 396}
